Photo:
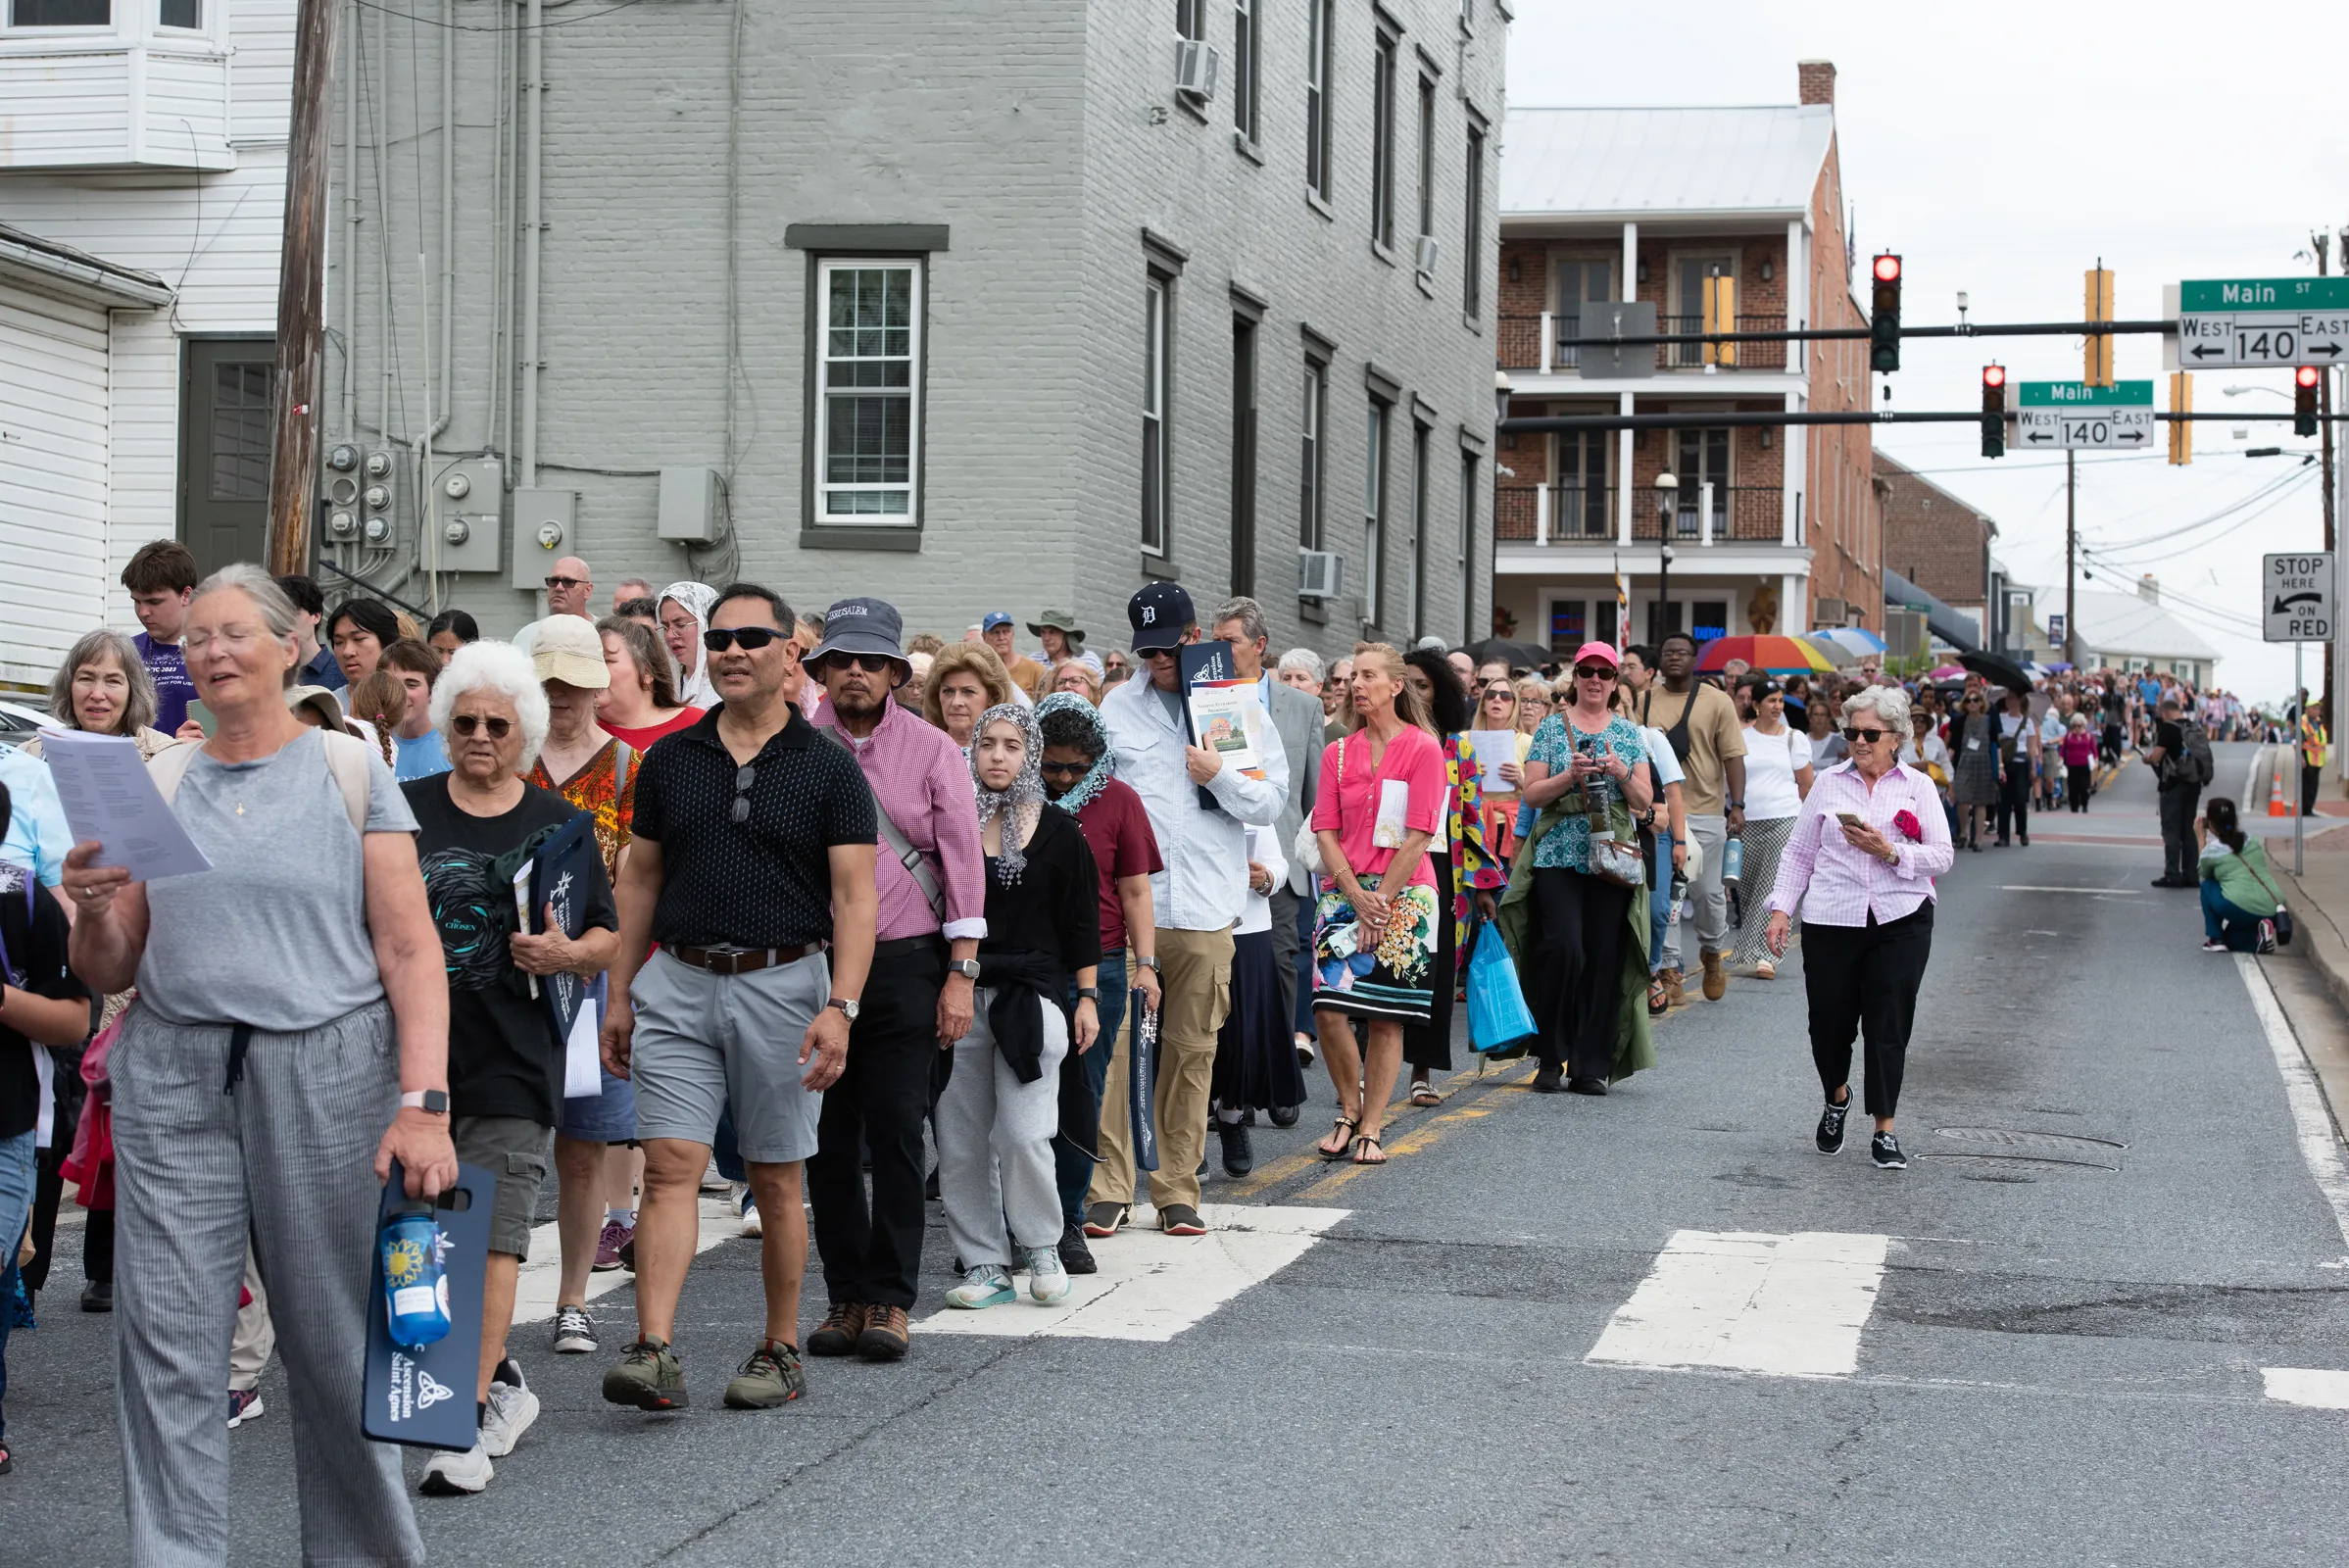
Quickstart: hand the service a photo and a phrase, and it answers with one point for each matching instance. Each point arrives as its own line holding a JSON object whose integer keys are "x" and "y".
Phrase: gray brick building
{"x": 969, "y": 306}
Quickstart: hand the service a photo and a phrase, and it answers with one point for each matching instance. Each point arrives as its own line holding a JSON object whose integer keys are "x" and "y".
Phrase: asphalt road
{"x": 2048, "y": 1340}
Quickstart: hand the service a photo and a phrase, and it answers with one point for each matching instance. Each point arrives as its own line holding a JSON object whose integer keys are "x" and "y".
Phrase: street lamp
{"x": 1667, "y": 488}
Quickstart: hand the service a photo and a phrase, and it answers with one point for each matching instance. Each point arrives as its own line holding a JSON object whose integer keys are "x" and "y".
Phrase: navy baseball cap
{"x": 1160, "y": 612}
{"x": 994, "y": 618}
{"x": 859, "y": 626}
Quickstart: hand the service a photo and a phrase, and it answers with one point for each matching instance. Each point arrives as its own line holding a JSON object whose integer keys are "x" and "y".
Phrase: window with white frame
{"x": 1467, "y": 558}
{"x": 1415, "y": 592}
{"x": 1374, "y": 511}
{"x": 1245, "y": 44}
{"x": 869, "y": 416}
{"x": 1321, "y": 26}
{"x": 1309, "y": 484}
{"x": 1472, "y": 247}
{"x": 1382, "y": 138}
{"x": 1427, "y": 156}
{"x": 189, "y": 13}
{"x": 1191, "y": 18}
{"x": 60, "y": 13}
{"x": 1154, "y": 481}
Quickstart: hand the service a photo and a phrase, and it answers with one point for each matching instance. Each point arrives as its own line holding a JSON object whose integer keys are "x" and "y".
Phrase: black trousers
{"x": 1862, "y": 980}
{"x": 2312, "y": 781}
{"x": 872, "y": 1254}
{"x": 2178, "y": 803}
{"x": 2075, "y": 786}
{"x": 1427, "y": 1046}
{"x": 2014, "y": 801}
{"x": 1576, "y": 961}
{"x": 1287, "y": 942}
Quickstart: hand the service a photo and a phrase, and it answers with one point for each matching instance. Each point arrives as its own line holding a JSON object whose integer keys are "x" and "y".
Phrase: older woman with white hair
{"x": 476, "y": 825}
{"x": 1302, "y": 669}
{"x": 278, "y": 976}
{"x": 1861, "y": 862}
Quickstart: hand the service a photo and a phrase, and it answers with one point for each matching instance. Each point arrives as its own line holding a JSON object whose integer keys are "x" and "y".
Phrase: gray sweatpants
{"x": 1705, "y": 892}
{"x": 995, "y": 1143}
{"x": 288, "y": 1159}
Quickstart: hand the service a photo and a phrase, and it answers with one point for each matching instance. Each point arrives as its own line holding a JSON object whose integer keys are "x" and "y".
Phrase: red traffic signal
{"x": 1888, "y": 269}
{"x": 2304, "y": 399}
{"x": 1993, "y": 376}
{"x": 2305, "y": 375}
{"x": 1993, "y": 411}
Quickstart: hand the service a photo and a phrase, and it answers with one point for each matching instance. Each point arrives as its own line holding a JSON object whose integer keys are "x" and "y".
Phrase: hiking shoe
{"x": 648, "y": 1378}
{"x": 1181, "y": 1220}
{"x": 885, "y": 1337}
{"x": 988, "y": 1285}
{"x": 1103, "y": 1219}
{"x": 1075, "y": 1255}
{"x": 574, "y": 1332}
{"x": 1830, "y": 1137}
{"x": 1239, "y": 1156}
{"x": 769, "y": 1377}
{"x": 615, "y": 1234}
{"x": 506, "y": 1415}
{"x": 837, "y": 1333}
{"x": 1048, "y": 1280}
{"x": 1716, "y": 976}
{"x": 1673, "y": 981}
{"x": 244, "y": 1404}
{"x": 1885, "y": 1150}
{"x": 458, "y": 1475}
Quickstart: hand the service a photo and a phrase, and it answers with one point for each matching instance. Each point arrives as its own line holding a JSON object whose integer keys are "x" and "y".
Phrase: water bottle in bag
{"x": 416, "y": 1292}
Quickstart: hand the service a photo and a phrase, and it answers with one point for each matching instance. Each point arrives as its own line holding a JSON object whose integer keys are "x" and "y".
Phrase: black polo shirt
{"x": 763, "y": 883}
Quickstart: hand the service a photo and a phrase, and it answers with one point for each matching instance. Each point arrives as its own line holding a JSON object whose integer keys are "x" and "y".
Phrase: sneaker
{"x": 837, "y": 1333}
{"x": 1549, "y": 1081}
{"x": 988, "y": 1285}
{"x": 648, "y": 1378}
{"x": 458, "y": 1475}
{"x": 1181, "y": 1220}
{"x": 1075, "y": 1255}
{"x": 1239, "y": 1156}
{"x": 1885, "y": 1150}
{"x": 98, "y": 1295}
{"x": 615, "y": 1234}
{"x": 747, "y": 1208}
{"x": 885, "y": 1337}
{"x": 1304, "y": 1051}
{"x": 1048, "y": 1280}
{"x": 771, "y": 1377}
{"x": 711, "y": 1180}
{"x": 574, "y": 1332}
{"x": 1587, "y": 1086}
{"x": 1830, "y": 1137}
{"x": 2208, "y": 945}
{"x": 244, "y": 1404}
{"x": 2267, "y": 936}
{"x": 506, "y": 1416}
{"x": 1103, "y": 1219}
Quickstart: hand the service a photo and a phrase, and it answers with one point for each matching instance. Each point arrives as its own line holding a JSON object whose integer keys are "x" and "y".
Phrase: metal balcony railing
{"x": 1543, "y": 344}
{"x": 1572, "y": 513}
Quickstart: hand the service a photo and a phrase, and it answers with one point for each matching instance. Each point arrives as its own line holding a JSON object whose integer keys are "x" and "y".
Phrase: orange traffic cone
{"x": 2277, "y": 806}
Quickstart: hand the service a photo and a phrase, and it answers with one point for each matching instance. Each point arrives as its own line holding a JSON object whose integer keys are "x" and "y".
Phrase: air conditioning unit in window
{"x": 1830, "y": 612}
{"x": 1427, "y": 253}
{"x": 1195, "y": 68}
{"x": 1320, "y": 574}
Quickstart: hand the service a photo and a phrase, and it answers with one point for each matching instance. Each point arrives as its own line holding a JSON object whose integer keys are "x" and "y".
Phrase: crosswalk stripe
{"x": 1786, "y": 1305}
{"x": 2317, "y": 1387}
{"x": 542, "y": 1276}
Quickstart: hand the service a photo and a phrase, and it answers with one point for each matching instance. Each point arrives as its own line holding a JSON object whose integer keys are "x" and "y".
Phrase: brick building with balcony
{"x": 1732, "y": 216}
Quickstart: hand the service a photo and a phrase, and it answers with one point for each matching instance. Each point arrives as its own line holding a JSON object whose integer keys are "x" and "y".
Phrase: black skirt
{"x": 1429, "y": 1045}
{"x": 1256, "y": 1056}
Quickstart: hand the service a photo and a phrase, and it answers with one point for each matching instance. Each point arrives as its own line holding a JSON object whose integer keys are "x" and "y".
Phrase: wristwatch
{"x": 967, "y": 968}
{"x": 432, "y": 1102}
{"x": 1150, "y": 964}
{"x": 847, "y": 1007}
{"x": 1093, "y": 992}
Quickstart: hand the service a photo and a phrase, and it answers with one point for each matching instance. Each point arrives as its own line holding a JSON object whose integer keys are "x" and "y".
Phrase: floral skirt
{"x": 1394, "y": 979}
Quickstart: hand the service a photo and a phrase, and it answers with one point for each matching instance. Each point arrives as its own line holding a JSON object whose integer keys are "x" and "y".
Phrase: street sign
{"x": 2262, "y": 321}
{"x": 1612, "y": 319}
{"x": 2055, "y": 630}
{"x": 2295, "y": 596}
{"x": 2057, "y": 415}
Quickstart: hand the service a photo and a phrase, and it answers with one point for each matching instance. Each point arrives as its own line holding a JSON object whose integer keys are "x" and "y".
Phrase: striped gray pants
{"x": 289, "y": 1158}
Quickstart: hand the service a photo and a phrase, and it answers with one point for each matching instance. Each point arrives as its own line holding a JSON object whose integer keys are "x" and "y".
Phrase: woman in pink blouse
{"x": 1380, "y": 802}
{"x": 1861, "y": 862}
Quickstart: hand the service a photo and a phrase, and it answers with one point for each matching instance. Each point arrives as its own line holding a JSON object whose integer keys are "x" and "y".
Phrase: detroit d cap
{"x": 1160, "y": 612}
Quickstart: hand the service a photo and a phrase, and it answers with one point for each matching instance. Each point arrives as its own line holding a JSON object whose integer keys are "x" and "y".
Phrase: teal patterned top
{"x": 1568, "y": 846}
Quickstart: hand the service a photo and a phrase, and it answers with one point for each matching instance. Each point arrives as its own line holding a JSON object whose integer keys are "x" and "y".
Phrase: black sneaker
{"x": 1549, "y": 1081}
{"x": 98, "y": 1295}
{"x": 1075, "y": 1255}
{"x": 1103, "y": 1219}
{"x": 1181, "y": 1220}
{"x": 1830, "y": 1127}
{"x": 1587, "y": 1086}
{"x": 1239, "y": 1156}
{"x": 1885, "y": 1150}
{"x": 1283, "y": 1116}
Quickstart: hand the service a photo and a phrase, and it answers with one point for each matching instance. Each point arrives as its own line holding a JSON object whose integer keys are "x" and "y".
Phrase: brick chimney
{"x": 1818, "y": 80}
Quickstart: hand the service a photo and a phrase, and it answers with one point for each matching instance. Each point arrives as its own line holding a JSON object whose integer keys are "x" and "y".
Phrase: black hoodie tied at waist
{"x": 1023, "y": 983}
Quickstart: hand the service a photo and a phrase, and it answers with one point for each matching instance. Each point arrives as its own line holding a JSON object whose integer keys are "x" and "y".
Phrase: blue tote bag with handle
{"x": 1497, "y": 1016}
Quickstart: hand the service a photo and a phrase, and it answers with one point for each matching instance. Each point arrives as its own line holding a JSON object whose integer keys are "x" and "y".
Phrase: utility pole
{"x": 2322, "y": 244}
{"x": 301, "y": 291}
{"x": 2071, "y": 558}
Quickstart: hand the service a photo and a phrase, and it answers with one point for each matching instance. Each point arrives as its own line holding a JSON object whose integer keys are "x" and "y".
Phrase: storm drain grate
{"x": 2015, "y": 1143}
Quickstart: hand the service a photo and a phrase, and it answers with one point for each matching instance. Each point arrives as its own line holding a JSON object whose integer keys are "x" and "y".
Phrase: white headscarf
{"x": 699, "y": 598}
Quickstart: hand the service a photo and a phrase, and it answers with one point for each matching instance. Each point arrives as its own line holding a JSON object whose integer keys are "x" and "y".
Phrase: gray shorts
{"x": 703, "y": 1040}
{"x": 516, "y": 1150}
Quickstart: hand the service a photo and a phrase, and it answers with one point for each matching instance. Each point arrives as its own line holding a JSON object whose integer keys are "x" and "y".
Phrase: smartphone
{"x": 1849, "y": 819}
{"x": 203, "y": 715}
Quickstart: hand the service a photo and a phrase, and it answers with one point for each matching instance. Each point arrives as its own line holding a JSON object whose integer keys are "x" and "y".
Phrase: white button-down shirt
{"x": 1204, "y": 885}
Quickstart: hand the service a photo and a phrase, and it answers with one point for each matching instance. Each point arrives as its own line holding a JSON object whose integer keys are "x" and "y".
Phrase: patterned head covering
{"x": 1104, "y": 765}
{"x": 1024, "y": 795}
{"x": 694, "y": 689}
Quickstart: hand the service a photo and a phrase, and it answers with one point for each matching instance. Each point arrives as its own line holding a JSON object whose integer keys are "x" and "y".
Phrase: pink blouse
{"x": 1838, "y": 885}
{"x": 1346, "y": 801}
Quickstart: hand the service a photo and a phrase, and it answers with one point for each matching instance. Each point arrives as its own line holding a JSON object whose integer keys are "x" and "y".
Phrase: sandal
{"x": 1423, "y": 1093}
{"x": 1659, "y": 998}
{"x": 1342, "y": 1126}
{"x": 1371, "y": 1142}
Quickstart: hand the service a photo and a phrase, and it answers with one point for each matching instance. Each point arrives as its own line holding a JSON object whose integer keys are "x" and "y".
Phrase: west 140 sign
{"x": 2262, "y": 321}
{"x": 2060, "y": 415}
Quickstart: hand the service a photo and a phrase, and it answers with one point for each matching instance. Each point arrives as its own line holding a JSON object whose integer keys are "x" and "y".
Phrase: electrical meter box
{"x": 543, "y": 528}
{"x": 690, "y": 503}
{"x": 468, "y": 504}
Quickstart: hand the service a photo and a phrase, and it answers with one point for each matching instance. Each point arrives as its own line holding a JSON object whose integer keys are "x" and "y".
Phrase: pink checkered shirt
{"x": 1838, "y": 885}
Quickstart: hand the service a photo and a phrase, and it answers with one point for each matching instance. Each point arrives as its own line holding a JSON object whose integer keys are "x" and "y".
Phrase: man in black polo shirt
{"x": 754, "y": 846}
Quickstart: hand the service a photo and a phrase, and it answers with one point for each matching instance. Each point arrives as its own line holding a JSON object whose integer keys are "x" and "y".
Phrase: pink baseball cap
{"x": 1602, "y": 651}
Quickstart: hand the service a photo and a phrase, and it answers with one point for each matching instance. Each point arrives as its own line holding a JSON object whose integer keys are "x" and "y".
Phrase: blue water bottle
{"x": 1732, "y": 859}
{"x": 414, "y": 1290}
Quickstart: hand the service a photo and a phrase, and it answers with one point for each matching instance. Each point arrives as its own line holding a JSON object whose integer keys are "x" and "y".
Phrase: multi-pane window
{"x": 1321, "y": 27}
{"x": 869, "y": 416}
{"x": 1415, "y": 592}
{"x": 1191, "y": 18}
{"x": 1309, "y": 485}
{"x": 1244, "y": 68}
{"x": 1382, "y": 140}
{"x": 182, "y": 13}
{"x": 1427, "y": 156}
{"x": 1467, "y": 561}
{"x": 1472, "y": 242}
{"x": 1154, "y": 415}
{"x": 240, "y": 432}
{"x": 60, "y": 12}
{"x": 1374, "y": 511}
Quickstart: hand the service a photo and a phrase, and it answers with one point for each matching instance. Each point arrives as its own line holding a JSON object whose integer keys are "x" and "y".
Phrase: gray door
{"x": 224, "y": 434}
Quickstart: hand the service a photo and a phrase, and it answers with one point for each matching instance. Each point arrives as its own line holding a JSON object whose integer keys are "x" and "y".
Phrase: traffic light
{"x": 2304, "y": 399}
{"x": 1884, "y": 320}
{"x": 1993, "y": 411}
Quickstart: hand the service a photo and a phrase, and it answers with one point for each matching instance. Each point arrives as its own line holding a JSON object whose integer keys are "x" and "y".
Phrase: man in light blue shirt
{"x": 1198, "y": 898}
{"x": 37, "y": 833}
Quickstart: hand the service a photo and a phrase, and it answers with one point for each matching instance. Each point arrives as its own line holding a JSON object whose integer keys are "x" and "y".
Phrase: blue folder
{"x": 423, "y": 1398}
{"x": 558, "y": 877}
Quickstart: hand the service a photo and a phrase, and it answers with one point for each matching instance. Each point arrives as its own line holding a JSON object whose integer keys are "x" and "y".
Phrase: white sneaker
{"x": 511, "y": 1407}
{"x": 711, "y": 1181}
{"x": 1048, "y": 1276}
{"x": 739, "y": 1194}
{"x": 458, "y": 1475}
{"x": 988, "y": 1285}
{"x": 574, "y": 1332}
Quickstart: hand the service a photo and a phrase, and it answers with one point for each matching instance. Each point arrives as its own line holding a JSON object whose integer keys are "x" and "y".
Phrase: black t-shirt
{"x": 34, "y": 935}
{"x": 1055, "y": 906}
{"x": 764, "y": 882}
{"x": 504, "y": 1059}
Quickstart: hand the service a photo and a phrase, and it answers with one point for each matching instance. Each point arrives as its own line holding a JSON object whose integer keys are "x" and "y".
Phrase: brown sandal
{"x": 1423, "y": 1093}
{"x": 1372, "y": 1140}
{"x": 1345, "y": 1145}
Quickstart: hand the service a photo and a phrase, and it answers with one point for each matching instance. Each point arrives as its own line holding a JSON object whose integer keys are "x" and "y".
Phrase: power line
{"x": 467, "y": 27}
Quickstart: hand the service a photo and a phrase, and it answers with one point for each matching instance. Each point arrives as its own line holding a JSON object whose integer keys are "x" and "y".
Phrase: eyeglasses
{"x": 1066, "y": 769}
{"x": 751, "y": 638}
{"x": 569, "y": 582}
{"x": 744, "y": 777}
{"x": 466, "y": 723}
{"x": 1862, "y": 737}
{"x": 870, "y": 664}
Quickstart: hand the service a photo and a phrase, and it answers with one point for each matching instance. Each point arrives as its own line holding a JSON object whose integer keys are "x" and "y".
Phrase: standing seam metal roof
{"x": 1568, "y": 160}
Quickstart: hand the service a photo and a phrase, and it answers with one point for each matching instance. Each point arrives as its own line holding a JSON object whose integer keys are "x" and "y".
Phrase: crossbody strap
{"x": 917, "y": 864}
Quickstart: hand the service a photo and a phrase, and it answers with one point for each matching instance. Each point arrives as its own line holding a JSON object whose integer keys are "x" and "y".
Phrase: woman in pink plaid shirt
{"x": 1861, "y": 862}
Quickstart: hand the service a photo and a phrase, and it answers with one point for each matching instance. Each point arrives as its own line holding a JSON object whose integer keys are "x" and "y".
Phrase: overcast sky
{"x": 2001, "y": 149}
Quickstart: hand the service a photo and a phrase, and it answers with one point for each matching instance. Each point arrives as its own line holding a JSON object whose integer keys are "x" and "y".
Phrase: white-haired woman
{"x": 475, "y": 827}
{"x": 278, "y": 975}
{"x": 1302, "y": 668}
{"x": 1861, "y": 862}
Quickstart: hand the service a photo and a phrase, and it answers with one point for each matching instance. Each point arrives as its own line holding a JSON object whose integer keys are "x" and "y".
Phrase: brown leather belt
{"x": 735, "y": 961}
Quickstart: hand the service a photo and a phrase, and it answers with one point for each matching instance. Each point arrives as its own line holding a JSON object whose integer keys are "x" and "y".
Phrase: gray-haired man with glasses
{"x": 754, "y": 847}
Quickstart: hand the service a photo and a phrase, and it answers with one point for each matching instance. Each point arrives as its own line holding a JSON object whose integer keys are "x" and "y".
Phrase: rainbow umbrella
{"x": 1778, "y": 655}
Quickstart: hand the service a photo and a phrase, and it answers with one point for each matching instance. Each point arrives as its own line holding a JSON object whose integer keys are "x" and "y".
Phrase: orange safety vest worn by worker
{"x": 2313, "y": 745}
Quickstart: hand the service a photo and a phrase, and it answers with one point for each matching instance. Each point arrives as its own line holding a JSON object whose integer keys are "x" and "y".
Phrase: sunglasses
{"x": 466, "y": 723}
{"x": 1593, "y": 673}
{"x": 751, "y": 639}
{"x": 1066, "y": 769}
{"x": 744, "y": 777}
{"x": 870, "y": 664}
{"x": 568, "y": 582}
{"x": 1864, "y": 737}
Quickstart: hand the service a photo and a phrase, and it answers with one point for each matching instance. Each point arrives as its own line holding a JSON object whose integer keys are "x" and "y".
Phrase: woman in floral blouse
{"x": 1464, "y": 872}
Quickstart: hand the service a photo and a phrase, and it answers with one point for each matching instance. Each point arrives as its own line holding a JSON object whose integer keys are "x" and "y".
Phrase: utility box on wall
{"x": 469, "y": 502}
{"x": 691, "y": 505}
{"x": 543, "y": 522}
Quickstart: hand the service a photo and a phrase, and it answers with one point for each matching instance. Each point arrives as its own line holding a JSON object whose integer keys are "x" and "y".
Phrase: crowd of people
{"x": 858, "y": 895}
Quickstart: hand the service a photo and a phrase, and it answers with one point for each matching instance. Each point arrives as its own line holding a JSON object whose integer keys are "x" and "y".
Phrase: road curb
{"x": 2321, "y": 941}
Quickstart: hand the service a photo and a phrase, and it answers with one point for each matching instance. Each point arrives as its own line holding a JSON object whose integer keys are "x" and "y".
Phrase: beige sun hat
{"x": 570, "y": 649}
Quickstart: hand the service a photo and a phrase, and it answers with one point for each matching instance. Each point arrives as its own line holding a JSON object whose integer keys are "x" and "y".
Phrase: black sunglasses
{"x": 1066, "y": 769}
{"x": 744, "y": 777}
{"x": 870, "y": 664}
{"x": 1593, "y": 673}
{"x": 466, "y": 723}
{"x": 1862, "y": 737}
{"x": 751, "y": 638}
{"x": 567, "y": 582}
